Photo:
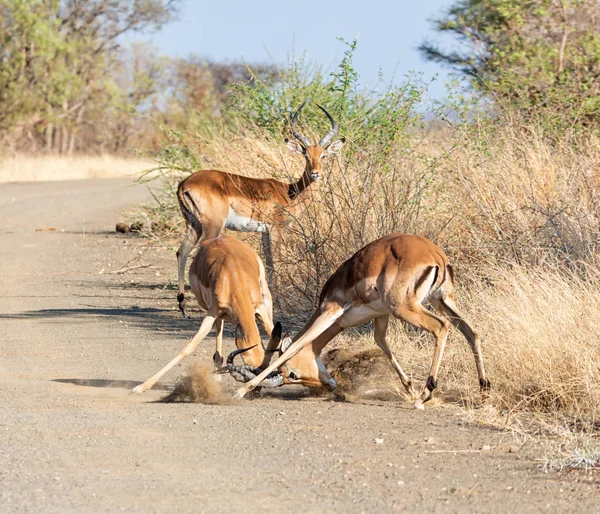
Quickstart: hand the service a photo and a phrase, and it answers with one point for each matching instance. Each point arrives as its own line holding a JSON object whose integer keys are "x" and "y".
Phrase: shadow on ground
{"x": 117, "y": 384}
{"x": 160, "y": 321}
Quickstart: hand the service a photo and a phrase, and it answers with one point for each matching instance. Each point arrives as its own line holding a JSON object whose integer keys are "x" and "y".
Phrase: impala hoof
{"x": 181, "y": 304}
{"x": 138, "y": 389}
{"x": 239, "y": 394}
{"x": 419, "y": 405}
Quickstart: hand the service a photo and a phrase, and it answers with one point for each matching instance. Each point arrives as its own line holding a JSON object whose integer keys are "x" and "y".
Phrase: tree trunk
{"x": 49, "y": 137}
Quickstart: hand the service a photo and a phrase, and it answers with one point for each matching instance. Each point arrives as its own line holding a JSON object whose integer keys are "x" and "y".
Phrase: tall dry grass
{"x": 540, "y": 332}
{"x": 519, "y": 219}
{"x": 43, "y": 168}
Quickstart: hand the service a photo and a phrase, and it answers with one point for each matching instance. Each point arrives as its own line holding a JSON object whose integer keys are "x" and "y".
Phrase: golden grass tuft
{"x": 541, "y": 333}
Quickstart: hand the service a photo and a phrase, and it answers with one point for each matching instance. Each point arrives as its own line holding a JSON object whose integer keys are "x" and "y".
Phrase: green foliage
{"x": 58, "y": 60}
{"x": 373, "y": 120}
{"x": 539, "y": 58}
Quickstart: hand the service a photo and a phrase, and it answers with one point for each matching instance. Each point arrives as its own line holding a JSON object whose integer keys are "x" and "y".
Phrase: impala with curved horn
{"x": 228, "y": 280}
{"x": 394, "y": 276}
{"x": 212, "y": 200}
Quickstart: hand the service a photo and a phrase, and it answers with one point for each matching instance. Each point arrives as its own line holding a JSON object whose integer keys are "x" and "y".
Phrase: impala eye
{"x": 293, "y": 376}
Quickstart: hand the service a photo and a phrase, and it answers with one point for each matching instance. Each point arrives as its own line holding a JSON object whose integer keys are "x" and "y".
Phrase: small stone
{"x": 378, "y": 441}
{"x": 195, "y": 421}
{"x": 400, "y": 482}
{"x": 123, "y": 228}
{"x": 486, "y": 448}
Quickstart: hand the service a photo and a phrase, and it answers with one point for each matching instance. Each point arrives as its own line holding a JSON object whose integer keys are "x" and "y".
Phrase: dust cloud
{"x": 199, "y": 386}
{"x": 362, "y": 373}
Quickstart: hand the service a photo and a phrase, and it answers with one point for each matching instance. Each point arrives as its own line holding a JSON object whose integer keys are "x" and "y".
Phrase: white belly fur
{"x": 242, "y": 224}
{"x": 362, "y": 313}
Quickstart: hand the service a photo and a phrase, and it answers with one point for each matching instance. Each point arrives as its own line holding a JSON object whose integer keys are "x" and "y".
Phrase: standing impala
{"x": 393, "y": 275}
{"x": 228, "y": 280}
{"x": 212, "y": 200}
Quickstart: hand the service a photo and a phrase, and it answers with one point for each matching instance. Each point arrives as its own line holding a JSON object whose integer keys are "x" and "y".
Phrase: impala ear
{"x": 295, "y": 147}
{"x": 335, "y": 146}
{"x": 275, "y": 337}
{"x": 285, "y": 344}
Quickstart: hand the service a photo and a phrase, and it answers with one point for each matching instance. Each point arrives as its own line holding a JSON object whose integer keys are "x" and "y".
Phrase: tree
{"x": 542, "y": 56}
{"x": 56, "y": 60}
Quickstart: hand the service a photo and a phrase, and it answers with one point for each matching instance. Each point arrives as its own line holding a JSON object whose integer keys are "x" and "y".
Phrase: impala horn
{"x": 326, "y": 139}
{"x": 303, "y": 139}
{"x": 245, "y": 373}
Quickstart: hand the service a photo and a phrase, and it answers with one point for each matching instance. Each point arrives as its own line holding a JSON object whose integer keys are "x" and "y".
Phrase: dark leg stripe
{"x": 431, "y": 384}
{"x": 421, "y": 280}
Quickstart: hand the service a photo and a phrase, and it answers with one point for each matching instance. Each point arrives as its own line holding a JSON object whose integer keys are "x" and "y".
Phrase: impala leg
{"x": 218, "y": 356}
{"x": 447, "y": 306}
{"x": 268, "y": 253}
{"x": 266, "y": 320}
{"x": 419, "y": 316}
{"x": 271, "y": 245}
{"x": 187, "y": 245}
{"x": 204, "y": 329}
{"x": 381, "y": 326}
{"x": 322, "y": 323}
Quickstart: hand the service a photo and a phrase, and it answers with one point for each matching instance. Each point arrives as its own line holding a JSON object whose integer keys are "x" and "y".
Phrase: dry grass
{"x": 540, "y": 332}
{"x": 520, "y": 221}
{"x": 23, "y": 168}
{"x": 486, "y": 199}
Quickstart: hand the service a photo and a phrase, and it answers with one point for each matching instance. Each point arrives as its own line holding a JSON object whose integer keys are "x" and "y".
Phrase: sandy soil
{"x": 75, "y": 336}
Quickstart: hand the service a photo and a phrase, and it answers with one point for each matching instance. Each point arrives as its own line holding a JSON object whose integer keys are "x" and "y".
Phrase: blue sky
{"x": 266, "y": 31}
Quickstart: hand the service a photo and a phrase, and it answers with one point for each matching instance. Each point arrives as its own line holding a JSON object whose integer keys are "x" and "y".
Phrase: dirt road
{"x": 75, "y": 336}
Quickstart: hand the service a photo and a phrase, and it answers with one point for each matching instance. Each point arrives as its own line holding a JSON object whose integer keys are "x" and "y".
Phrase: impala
{"x": 228, "y": 280}
{"x": 394, "y": 276}
{"x": 212, "y": 200}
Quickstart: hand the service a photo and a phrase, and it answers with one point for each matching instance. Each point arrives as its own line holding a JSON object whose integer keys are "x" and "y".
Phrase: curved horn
{"x": 326, "y": 139}
{"x": 304, "y": 140}
{"x": 234, "y": 353}
{"x": 245, "y": 373}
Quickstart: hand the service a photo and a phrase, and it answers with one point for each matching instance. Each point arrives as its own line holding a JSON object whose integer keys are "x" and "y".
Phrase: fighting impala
{"x": 228, "y": 280}
{"x": 394, "y": 276}
{"x": 212, "y": 200}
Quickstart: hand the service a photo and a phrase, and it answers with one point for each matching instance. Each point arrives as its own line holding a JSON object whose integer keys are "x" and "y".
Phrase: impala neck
{"x": 304, "y": 183}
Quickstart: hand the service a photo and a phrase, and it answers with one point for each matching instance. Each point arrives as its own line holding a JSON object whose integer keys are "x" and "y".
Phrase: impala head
{"x": 314, "y": 153}
{"x": 305, "y": 368}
